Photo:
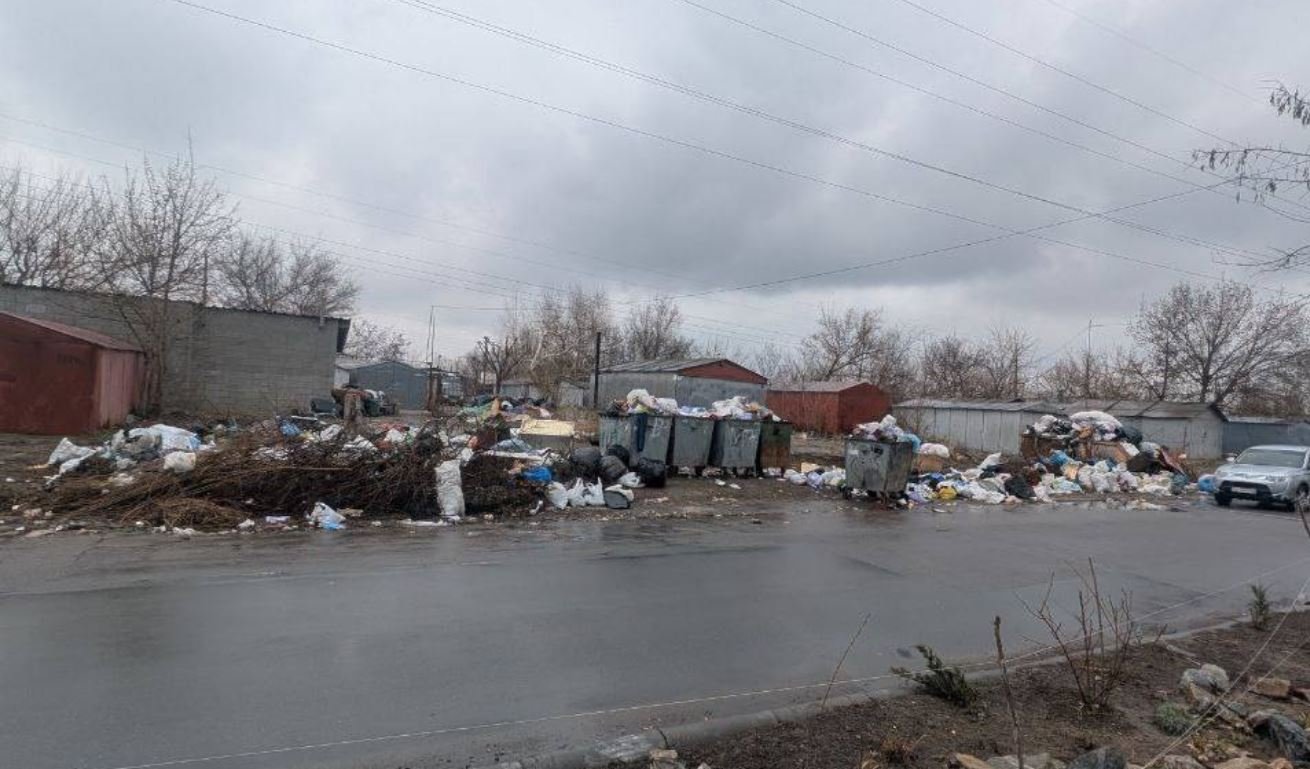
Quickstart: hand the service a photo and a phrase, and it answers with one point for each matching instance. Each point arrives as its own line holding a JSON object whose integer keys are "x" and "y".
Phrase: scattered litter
{"x": 324, "y": 517}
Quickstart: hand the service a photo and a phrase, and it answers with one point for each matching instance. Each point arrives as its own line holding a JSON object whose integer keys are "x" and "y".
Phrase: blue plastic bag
{"x": 1206, "y": 484}
{"x": 289, "y": 428}
{"x": 538, "y": 474}
{"x": 1057, "y": 459}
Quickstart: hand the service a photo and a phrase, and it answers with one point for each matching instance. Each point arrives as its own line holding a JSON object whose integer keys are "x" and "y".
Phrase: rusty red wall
{"x": 52, "y": 384}
{"x": 863, "y": 403}
{"x": 830, "y": 412}
{"x": 724, "y": 370}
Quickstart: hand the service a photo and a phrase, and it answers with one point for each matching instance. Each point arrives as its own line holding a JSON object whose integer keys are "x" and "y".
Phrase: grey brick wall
{"x": 224, "y": 361}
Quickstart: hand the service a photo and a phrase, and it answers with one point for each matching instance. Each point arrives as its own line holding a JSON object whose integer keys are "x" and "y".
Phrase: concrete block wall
{"x": 225, "y": 361}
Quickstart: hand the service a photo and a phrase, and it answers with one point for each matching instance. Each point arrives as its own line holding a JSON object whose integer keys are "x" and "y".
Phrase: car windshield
{"x": 1272, "y": 457}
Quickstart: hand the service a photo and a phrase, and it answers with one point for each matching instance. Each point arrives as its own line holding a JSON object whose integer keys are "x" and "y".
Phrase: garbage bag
{"x": 1206, "y": 484}
{"x": 618, "y": 498}
{"x": 1017, "y": 486}
{"x": 652, "y": 472}
{"x": 935, "y": 449}
{"x": 1130, "y": 434}
{"x": 67, "y": 450}
{"x": 324, "y": 517}
{"x": 593, "y": 495}
{"x": 538, "y": 474}
{"x": 630, "y": 481}
{"x": 612, "y": 468}
{"x": 450, "y": 492}
{"x": 577, "y": 494}
{"x": 170, "y": 438}
{"x": 586, "y": 460}
{"x": 794, "y": 476}
{"x": 621, "y": 452}
{"x": 180, "y": 462}
{"x": 557, "y": 495}
{"x": 992, "y": 460}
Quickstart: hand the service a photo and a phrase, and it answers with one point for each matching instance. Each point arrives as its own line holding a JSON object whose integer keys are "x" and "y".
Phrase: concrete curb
{"x": 632, "y": 748}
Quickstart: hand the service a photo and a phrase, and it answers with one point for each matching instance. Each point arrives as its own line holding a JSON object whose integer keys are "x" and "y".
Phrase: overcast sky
{"x": 438, "y": 192}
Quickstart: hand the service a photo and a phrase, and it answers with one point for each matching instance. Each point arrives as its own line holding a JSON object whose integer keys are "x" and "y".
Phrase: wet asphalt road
{"x": 451, "y": 647}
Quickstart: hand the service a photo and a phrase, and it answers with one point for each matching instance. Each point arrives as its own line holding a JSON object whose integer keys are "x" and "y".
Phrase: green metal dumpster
{"x": 881, "y": 469}
{"x": 736, "y": 444}
{"x": 775, "y": 444}
{"x": 643, "y": 435}
{"x": 692, "y": 437}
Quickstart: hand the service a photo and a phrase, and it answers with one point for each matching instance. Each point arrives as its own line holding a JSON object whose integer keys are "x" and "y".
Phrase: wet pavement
{"x": 479, "y": 644}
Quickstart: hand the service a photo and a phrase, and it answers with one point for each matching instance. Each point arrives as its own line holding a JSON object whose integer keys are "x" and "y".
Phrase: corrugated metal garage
{"x": 1241, "y": 433}
{"x": 829, "y": 407}
{"x": 61, "y": 380}
{"x": 689, "y": 381}
{"x": 404, "y": 384}
{"x": 972, "y": 425}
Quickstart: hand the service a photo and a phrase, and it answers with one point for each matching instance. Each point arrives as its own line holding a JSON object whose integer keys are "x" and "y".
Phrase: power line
{"x": 1054, "y": 68}
{"x": 513, "y": 257}
{"x": 975, "y": 81}
{"x": 659, "y": 137}
{"x": 793, "y": 124}
{"x": 1115, "y": 31}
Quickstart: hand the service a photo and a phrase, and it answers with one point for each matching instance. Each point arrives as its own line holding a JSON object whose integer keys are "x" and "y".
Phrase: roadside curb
{"x": 631, "y": 748}
{"x": 634, "y": 747}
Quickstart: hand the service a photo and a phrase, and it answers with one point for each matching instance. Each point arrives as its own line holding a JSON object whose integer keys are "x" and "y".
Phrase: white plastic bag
{"x": 577, "y": 494}
{"x": 557, "y": 495}
{"x": 630, "y": 481}
{"x": 450, "y": 492}
{"x": 180, "y": 462}
{"x": 935, "y": 449}
{"x": 67, "y": 450}
{"x": 991, "y": 461}
{"x": 594, "y": 496}
{"x": 170, "y": 438}
{"x": 324, "y": 517}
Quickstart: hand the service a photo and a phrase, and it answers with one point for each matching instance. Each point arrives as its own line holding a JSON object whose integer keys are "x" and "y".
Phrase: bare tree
{"x": 162, "y": 233}
{"x": 500, "y": 358}
{"x": 260, "y": 273}
{"x": 1006, "y": 359}
{"x": 844, "y": 344}
{"x": 371, "y": 341}
{"x": 651, "y": 331}
{"x": 1221, "y": 338}
{"x": 1265, "y": 169}
{"x": 47, "y": 233}
{"x": 951, "y": 367}
{"x": 1097, "y": 376}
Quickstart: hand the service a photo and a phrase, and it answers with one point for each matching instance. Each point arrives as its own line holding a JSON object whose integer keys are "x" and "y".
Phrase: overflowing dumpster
{"x": 643, "y": 435}
{"x": 879, "y": 468}
{"x": 775, "y": 444}
{"x": 692, "y": 437}
{"x": 736, "y": 444}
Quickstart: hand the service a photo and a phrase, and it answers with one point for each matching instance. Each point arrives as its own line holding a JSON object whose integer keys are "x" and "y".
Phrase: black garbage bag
{"x": 621, "y": 452}
{"x": 612, "y": 468}
{"x": 1130, "y": 434}
{"x": 652, "y": 472}
{"x": 1017, "y": 486}
{"x": 586, "y": 461}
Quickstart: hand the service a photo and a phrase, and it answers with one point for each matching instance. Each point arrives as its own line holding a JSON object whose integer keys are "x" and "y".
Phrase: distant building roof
{"x": 663, "y": 365}
{"x": 1146, "y": 409}
{"x": 1015, "y": 405}
{"x": 86, "y": 335}
{"x": 834, "y": 386}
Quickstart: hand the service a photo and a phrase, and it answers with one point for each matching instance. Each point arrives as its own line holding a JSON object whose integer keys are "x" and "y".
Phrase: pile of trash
{"x": 995, "y": 481}
{"x": 640, "y": 401}
{"x": 816, "y": 476}
{"x": 1093, "y": 435}
{"x": 126, "y": 449}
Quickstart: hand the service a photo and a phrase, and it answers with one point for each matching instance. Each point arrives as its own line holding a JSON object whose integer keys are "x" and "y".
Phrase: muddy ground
{"x": 917, "y": 731}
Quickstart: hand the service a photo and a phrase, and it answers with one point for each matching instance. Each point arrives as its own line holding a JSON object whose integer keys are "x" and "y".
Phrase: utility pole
{"x": 434, "y": 390}
{"x": 595, "y": 376}
{"x": 1087, "y": 364}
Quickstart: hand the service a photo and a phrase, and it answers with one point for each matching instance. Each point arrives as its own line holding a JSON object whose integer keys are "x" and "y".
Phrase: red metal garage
{"x": 61, "y": 380}
{"x": 829, "y": 407}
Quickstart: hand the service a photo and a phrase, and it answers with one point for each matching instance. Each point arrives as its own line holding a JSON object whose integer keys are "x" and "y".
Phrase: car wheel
{"x": 1223, "y": 500}
{"x": 1301, "y": 502}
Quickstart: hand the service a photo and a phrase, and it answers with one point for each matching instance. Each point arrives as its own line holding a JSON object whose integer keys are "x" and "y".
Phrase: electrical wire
{"x": 724, "y": 102}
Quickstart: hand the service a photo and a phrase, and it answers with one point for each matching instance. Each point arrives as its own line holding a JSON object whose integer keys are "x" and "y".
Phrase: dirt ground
{"x": 1051, "y": 716}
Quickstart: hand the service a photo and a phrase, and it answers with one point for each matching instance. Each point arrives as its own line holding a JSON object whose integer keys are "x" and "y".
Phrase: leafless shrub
{"x": 1096, "y": 641}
